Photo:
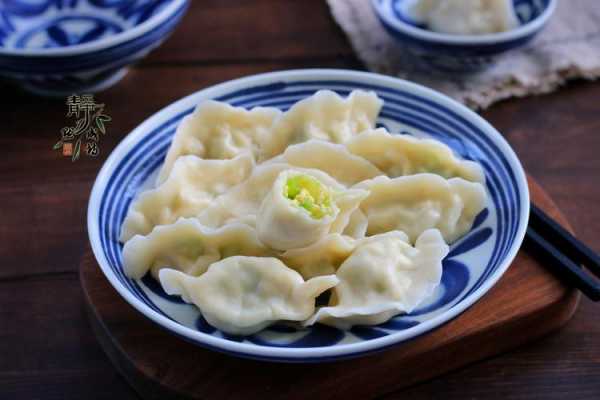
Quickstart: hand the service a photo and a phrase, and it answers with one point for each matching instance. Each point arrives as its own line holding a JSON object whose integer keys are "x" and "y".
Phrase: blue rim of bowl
{"x": 383, "y": 9}
{"x": 104, "y": 43}
{"x": 313, "y": 354}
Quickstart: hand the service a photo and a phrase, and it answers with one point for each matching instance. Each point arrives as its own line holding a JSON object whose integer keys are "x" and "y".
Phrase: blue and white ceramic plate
{"x": 57, "y": 47}
{"x": 473, "y": 266}
{"x": 461, "y": 52}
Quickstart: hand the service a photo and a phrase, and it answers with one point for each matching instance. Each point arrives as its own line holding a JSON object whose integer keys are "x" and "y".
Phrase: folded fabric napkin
{"x": 568, "y": 48}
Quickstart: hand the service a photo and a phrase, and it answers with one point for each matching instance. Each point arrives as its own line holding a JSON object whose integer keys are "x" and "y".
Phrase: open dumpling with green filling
{"x": 244, "y": 202}
{"x": 300, "y": 210}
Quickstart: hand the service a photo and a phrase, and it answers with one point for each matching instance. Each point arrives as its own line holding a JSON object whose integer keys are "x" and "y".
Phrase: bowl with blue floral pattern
{"x": 460, "y": 52}
{"x": 473, "y": 265}
{"x": 60, "y": 47}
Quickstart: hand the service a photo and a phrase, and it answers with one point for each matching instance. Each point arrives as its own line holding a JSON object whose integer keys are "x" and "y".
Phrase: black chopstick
{"x": 561, "y": 251}
{"x": 562, "y": 265}
{"x": 562, "y": 239}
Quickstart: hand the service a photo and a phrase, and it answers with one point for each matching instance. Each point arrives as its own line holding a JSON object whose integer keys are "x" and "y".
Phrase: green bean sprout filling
{"x": 310, "y": 194}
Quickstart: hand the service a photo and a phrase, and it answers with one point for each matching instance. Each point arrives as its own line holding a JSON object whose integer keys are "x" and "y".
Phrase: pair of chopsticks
{"x": 562, "y": 252}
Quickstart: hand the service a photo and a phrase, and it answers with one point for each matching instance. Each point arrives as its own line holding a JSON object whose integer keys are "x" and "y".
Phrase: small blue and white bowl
{"x": 450, "y": 52}
{"x": 60, "y": 47}
{"x": 473, "y": 266}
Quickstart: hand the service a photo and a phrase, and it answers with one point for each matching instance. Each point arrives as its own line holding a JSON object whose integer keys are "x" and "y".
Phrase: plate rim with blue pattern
{"x": 474, "y": 265}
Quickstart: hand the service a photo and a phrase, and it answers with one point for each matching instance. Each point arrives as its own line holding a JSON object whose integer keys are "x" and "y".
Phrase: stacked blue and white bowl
{"x": 57, "y": 47}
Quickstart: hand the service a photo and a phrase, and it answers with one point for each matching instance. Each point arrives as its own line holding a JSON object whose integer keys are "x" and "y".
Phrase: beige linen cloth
{"x": 568, "y": 48}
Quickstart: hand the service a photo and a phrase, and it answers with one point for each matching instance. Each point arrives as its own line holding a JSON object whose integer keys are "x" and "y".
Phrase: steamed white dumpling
{"x": 331, "y": 158}
{"x": 357, "y": 225}
{"x": 415, "y": 203}
{"x": 188, "y": 246}
{"x": 297, "y": 211}
{"x": 348, "y": 202}
{"x": 466, "y": 17}
{"x": 242, "y": 295}
{"x": 218, "y": 130}
{"x": 383, "y": 277}
{"x": 190, "y": 188}
{"x": 321, "y": 258}
{"x": 243, "y": 202}
{"x": 398, "y": 155}
{"x": 300, "y": 210}
{"x": 326, "y": 116}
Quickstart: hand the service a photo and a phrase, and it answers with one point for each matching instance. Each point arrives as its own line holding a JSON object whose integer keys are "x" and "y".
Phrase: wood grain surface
{"x": 526, "y": 303}
{"x": 47, "y": 347}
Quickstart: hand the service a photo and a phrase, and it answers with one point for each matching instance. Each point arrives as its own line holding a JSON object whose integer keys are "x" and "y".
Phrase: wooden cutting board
{"x": 526, "y": 303}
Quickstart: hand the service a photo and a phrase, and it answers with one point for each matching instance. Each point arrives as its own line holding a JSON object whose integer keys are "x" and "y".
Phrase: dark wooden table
{"x": 47, "y": 349}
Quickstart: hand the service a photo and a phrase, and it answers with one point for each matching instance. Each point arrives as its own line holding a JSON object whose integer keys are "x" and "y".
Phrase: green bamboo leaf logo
{"x": 100, "y": 120}
{"x": 77, "y": 151}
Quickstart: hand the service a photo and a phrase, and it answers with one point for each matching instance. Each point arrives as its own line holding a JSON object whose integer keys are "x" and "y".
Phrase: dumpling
{"x": 415, "y": 203}
{"x": 321, "y": 258}
{"x": 348, "y": 202}
{"x": 242, "y": 295}
{"x": 399, "y": 155}
{"x": 357, "y": 225}
{"x": 333, "y": 159}
{"x": 188, "y": 246}
{"x": 300, "y": 210}
{"x": 297, "y": 211}
{"x": 218, "y": 130}
{"x": 326, "y": 116}
{"x": 383, "y": 277}
{"x": 243, "y": 202}
{"x": 466, "y": 17}
{"x": 190, "y": 188}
